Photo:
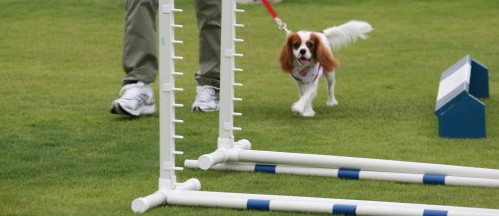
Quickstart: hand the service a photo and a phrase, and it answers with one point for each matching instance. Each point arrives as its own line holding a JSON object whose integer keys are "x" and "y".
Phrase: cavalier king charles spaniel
{"x": 307, "y": 56}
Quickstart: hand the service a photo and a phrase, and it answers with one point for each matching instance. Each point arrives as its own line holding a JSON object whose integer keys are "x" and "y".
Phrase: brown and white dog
{"x": 307, "y": 56}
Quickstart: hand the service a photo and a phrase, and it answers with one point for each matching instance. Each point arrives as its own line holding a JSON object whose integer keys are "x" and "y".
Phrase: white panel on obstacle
{"x": 172, "y": 193}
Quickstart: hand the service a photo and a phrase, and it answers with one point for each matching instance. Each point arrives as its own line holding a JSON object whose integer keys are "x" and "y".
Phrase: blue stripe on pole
{"x": 348, "y": 174}
{"x": 344, "y": 209}
{"x": 265, "y": 168}
{"x": 427, "y": 212}
{"x": 258, "y": 204}
{"x": 434, "y": 179}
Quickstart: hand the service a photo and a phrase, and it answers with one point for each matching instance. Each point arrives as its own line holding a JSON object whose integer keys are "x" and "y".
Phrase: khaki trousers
{"x": 140, "y": 56}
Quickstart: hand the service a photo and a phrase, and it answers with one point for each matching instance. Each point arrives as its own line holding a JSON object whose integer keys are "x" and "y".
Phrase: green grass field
{"x": 63, "y": 153}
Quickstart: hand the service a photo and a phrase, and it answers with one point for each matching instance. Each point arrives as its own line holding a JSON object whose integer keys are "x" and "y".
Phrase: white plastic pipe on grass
{"x": 353, "y": 174}
{"x": 318, "y": 205}
{"x": 336, "y": 162}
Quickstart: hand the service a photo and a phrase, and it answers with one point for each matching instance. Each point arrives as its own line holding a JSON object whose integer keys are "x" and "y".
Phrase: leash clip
{"x": 282, "y": 25}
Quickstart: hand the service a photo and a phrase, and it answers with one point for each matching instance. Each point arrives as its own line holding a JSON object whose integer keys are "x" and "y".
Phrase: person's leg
{"x": 139, "y": 59}
{"x": 208, "y": 14}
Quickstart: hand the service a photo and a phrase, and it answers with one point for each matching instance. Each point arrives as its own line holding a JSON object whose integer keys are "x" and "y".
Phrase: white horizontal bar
{"x": 178, "y": 152}
{"x": 237, "y": 84}
{"x": 467, "y": 181}
{"x": 177, "y": 57}
{"x": 239, "y": 10}
{"x": 178, "y": 105}
{"x": 178, "y": 121}
{"x": 236, "y": 128}
{"x": 238, "y": 54}
{"x": 237, "y": 114}
{"x": 357, "y": 174}
{"x": 177, "y": 73}
{"x": 177, "y": 26}
{"x": 239, "y": 200}
{"x": 327, "y": 161}
{"x": 178, "y": 137}
{"x": 238, "y": 40}
{"x": 237, "y": 69}
{"x": 177, "y": 41}
{"x": 169, "y": 87}
{"x": 237, "y": 99}
{"x": 167, "y": 9}
{"x": 239, "y": 25}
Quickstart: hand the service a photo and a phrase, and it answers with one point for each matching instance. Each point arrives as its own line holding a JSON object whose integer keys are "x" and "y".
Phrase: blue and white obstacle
{"x": 460, "y": 113}
{"x": 242, "y": 154}
{"x": 352, "y": 174}
{"x": 171, "y": 192}
{"x": 317, "y": 205}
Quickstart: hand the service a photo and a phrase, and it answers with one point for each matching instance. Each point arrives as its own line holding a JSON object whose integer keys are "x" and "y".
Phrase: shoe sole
{"x": 144, "y": 110}
{"x": 198, "y": 109}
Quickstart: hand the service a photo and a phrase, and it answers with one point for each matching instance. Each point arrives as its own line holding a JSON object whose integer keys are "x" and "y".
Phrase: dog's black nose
{"x": 303, "y": 51}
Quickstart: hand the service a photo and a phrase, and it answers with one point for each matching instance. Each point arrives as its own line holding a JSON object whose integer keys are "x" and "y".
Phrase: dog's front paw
{"x": 309, "y": 113}
{"x": 332, "y": 102}
{"x": 297, "y": 109}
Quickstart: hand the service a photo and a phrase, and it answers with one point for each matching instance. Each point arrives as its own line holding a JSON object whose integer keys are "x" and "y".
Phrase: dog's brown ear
{"x": 324, "y": 55}
{"x": 286, "y": 57}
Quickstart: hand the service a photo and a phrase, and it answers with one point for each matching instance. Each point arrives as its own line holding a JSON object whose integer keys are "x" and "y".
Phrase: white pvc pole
{"x": 319, "y": 205}
{"x": 352, "y": 174}
{"x": 327, "y": 161}
{"x": 227, "y": 68}
{"x": 167, "y": 179}
{"x": 167, "y": 91}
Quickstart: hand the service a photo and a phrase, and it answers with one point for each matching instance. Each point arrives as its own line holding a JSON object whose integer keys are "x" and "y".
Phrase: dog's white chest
{"x": 308, "y": 75}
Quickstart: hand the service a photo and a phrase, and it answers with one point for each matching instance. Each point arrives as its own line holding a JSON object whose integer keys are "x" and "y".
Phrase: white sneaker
{"x": 206, "y": 99}
{"x": 136, "y": 99}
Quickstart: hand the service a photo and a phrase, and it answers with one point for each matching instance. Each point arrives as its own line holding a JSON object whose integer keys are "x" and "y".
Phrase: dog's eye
{"x": 310, "y": 45}
{"x": 296, "y": 45}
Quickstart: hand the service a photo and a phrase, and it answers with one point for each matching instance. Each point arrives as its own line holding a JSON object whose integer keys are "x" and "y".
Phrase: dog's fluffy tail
{"x": 341, "y": 36}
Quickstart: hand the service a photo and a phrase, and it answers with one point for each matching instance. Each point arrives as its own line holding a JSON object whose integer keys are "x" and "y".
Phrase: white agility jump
{"x": 171, "y": 192}
{"x": 231, "y": 151}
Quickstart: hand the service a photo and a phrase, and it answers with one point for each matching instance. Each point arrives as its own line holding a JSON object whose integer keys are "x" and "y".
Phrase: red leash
{"x": 282, "y": 25}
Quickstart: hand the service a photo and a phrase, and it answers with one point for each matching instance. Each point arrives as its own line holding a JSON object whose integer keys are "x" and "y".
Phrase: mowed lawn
{"x": 63, "y": 153}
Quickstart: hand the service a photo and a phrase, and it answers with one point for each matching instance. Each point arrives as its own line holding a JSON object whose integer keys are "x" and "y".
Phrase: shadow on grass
{"x": 126, "y": 118}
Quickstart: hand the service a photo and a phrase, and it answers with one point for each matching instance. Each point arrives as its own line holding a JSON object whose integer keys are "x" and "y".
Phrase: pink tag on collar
{"x": 304, "y": 72}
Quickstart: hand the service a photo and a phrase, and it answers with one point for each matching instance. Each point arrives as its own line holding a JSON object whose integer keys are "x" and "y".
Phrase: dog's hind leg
{"x": 331, "y": 81}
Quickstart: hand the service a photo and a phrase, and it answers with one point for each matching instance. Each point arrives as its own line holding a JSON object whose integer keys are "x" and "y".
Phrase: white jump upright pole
{"x": 172, "y": 193}
{"x": 167, "y": 88}
{"x": 228, "y": 54}
{"x": 227, "y": 81}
